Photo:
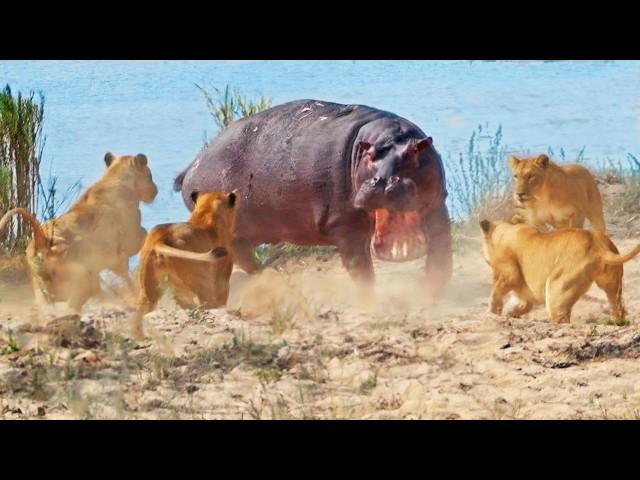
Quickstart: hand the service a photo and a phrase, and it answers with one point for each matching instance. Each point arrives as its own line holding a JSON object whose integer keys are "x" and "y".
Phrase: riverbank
{"x": 296, "y": 342}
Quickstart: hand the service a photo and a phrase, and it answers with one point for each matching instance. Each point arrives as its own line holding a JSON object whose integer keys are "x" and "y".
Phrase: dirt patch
{"x": 299, "y": 341}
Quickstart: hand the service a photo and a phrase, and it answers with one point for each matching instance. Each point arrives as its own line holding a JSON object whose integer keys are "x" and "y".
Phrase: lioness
{"x": 557, "y": 195}
{"x": 194, "y": 258}
{"x": 555, "y": 268}
{"x": 101, "y": 230}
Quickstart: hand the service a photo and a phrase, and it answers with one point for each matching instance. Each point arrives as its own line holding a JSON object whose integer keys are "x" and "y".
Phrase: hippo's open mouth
{"x": 398, "y": 236}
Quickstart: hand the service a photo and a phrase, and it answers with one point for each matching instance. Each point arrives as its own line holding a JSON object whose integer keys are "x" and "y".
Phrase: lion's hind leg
{"x": 610, "y": 281}
{"x": 149, "y": 292}
{"x": 563, "y": 291}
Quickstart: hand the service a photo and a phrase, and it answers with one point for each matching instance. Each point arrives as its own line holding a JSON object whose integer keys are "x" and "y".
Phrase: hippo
{"x": 312, "y": 172}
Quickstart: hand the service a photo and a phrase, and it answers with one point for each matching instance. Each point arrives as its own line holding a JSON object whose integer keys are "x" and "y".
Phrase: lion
{"x": 101, "y": 230}
{"x": 193, "y": 258}
{"x": 558, "y": 195}
{"x": 553, "y": 268}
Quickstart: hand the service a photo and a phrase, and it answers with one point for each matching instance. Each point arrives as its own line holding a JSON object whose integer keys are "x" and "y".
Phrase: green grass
{"x": 267, "y": 254}
{"x": 12, "y": 343}
{"x": 627, "y": 172}
{"x": 269, "y": 374}
{"x": 21, "y": 144}
{"x": 370, "y": 383}
{"x": 281, "y": 317}
{"x": 480, "y": 175}
{"x": 226, "y": 106}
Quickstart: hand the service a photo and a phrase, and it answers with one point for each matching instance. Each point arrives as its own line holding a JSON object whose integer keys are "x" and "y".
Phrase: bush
{"x": 21, "y": 145}
{"x": 231, "y": 106}
{"x": 480, "y": 179}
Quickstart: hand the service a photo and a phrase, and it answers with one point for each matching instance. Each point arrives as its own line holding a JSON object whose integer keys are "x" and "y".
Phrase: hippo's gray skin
{"x": 311, "y": 172}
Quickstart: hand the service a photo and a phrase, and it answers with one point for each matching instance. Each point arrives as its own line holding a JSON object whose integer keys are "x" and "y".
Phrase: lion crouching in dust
{"x": 101, "y": 230}
{"x": 193, "y": 258}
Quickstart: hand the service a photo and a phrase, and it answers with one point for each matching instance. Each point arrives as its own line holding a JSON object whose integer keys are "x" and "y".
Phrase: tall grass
{"x": 479, "y": 181}
{"x": 627, "y": 172}
{"x": 226, "y": 106}
{"x": 52, "y": 202}
{"x": 479, "y": 177}
{"x": 21, "y": 145}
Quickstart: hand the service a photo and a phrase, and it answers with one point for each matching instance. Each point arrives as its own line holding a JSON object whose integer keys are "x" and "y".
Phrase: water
{"x": 153, "y": 107}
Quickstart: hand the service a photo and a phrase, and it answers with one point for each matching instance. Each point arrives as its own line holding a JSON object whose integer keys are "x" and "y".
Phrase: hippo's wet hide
{"x": 311, "y": 172}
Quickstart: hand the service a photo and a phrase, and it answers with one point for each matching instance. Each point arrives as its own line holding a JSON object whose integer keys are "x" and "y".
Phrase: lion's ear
{"x": 108, "y": 158}
{"x": 485, "y": 225}
{"x": 543, "y": 161}
{"x": 194, "y": 197}
{"x": 513, "y": 161}
{"x": 140, "y": 160}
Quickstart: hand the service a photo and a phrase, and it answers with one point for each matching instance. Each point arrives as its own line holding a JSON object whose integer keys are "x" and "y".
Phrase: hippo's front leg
{"x": 439, "y": 265}
{"x": 352, "y": 238}
{"x": 243, "y": 256}
{"x": 356, "y": 258}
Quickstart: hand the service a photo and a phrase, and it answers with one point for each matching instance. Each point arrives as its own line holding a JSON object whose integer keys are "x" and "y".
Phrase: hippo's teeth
{"x": 394, "y": 250}
{"x": 405, "y": 249}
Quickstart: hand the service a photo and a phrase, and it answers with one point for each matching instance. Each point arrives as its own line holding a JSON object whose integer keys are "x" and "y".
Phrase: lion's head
{"x": 529, "y": 176}
{"x": 135, "y": 170}
{"x": 217, "y": 208}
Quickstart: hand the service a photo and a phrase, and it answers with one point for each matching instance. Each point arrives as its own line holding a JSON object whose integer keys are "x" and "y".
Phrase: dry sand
{"x": 302, "y": 343}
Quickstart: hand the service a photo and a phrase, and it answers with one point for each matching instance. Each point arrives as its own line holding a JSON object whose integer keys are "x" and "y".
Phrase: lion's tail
{"x": 210, "y": 256}
{"x": 611, "y": 258}
{"x": 38, "y": 233}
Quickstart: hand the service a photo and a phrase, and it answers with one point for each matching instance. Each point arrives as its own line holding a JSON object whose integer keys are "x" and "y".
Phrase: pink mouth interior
{"x": 398, "y": 237}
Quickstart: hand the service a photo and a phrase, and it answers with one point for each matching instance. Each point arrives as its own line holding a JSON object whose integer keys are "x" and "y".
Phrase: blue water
{"x": 153, "y": 107}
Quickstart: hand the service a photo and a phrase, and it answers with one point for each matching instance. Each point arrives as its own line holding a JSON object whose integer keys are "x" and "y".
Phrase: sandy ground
{"x": 299, "y": 342}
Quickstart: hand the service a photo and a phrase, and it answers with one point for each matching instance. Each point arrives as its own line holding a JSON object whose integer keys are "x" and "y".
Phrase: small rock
{"x": 88, "y": 357}
{"x": 154, "y": 403}
{"x": 191, "y": 389}
{"x": 41, "y": 412}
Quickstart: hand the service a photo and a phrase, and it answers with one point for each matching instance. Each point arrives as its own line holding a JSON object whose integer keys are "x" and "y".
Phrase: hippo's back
{"x": 297, "y": 141}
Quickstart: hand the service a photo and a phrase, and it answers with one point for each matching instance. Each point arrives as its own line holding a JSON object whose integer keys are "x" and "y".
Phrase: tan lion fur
{"x": 101, "y": 230}
{"x": 553, "y": 268}
{"x": 193, "y": 258}
{"x": 558, "y": 195}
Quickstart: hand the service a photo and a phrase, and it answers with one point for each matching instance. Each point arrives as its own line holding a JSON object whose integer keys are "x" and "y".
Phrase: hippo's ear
{"x": 513, "y": 161}
{"x": 365, "y": 146}
{"x": 232, "y": 198}
{"x": 424, "y": 143}
{"x": 194, "y": 197}
{"x": 108, "y": 158}
{"x": 542, "y": 161}
{"x": 485, "y": 225}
